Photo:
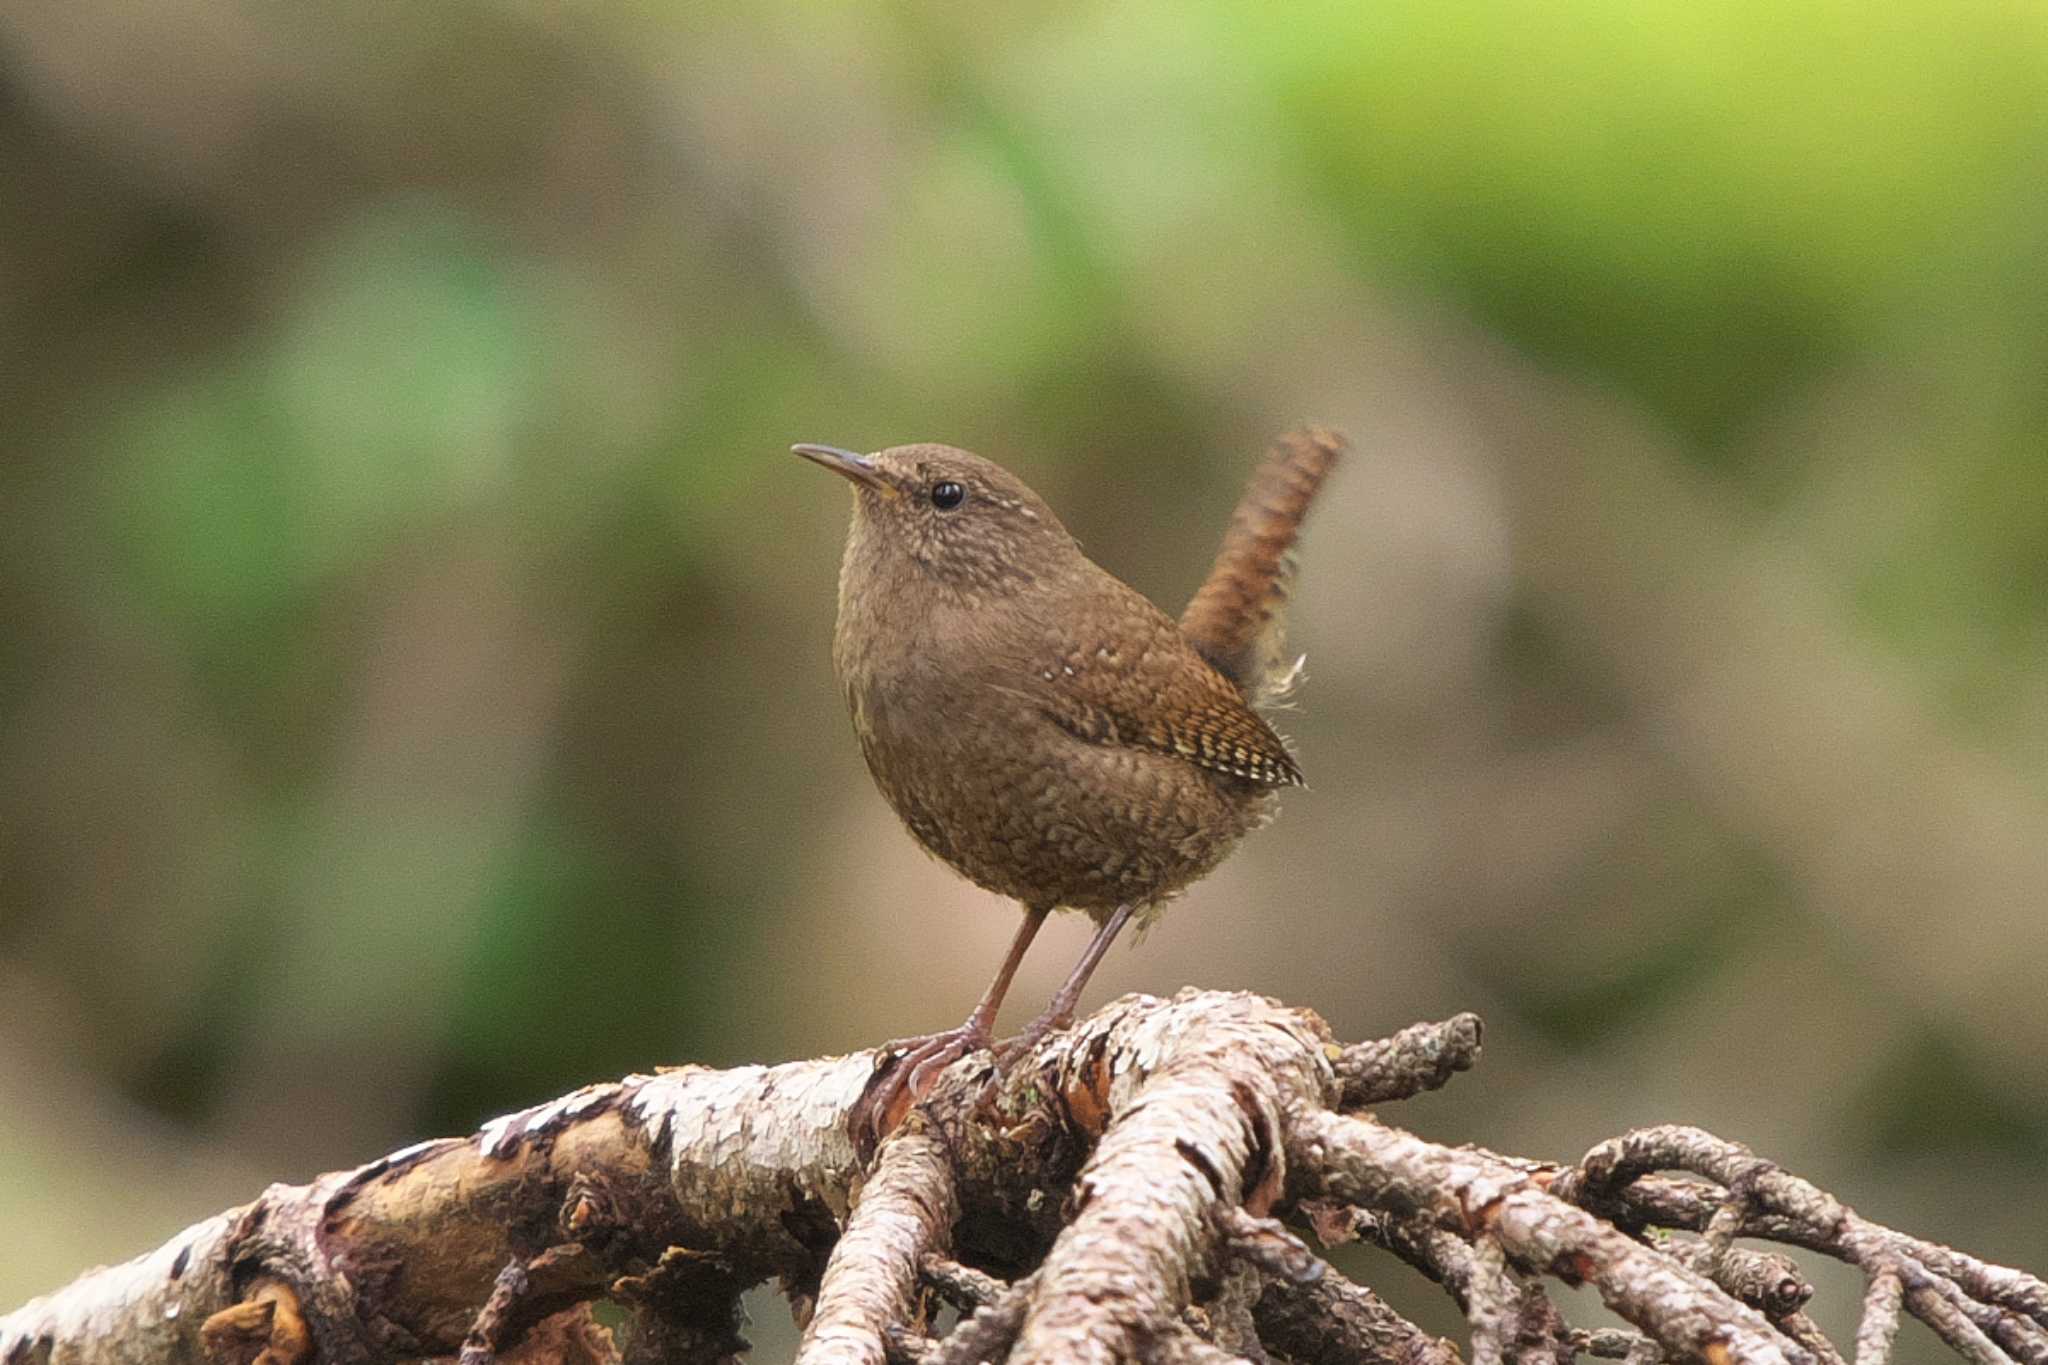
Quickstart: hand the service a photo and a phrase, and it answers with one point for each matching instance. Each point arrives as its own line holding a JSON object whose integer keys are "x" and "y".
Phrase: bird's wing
{"x": 1149, "y": 689}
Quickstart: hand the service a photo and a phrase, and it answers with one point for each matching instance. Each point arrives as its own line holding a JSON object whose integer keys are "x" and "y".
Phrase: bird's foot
{"x": 907, "y": 1077}
{"x": 1013, "y": 1048}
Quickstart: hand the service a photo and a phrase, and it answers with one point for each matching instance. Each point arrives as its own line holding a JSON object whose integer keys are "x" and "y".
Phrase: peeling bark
{"x": 1124, "y": 1193}
{"x": 904, "y": 1212}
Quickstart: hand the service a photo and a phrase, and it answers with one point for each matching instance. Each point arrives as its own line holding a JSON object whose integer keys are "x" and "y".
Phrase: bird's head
{"x": 946, "y": 515}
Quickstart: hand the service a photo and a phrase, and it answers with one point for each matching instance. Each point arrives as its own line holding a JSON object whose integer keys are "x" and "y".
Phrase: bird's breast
{"x": 986, "y": 780}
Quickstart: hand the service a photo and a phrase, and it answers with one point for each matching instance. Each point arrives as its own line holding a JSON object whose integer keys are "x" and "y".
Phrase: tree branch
{"x": 905, "y": 1211}
{"x": 1121, "y": 1193}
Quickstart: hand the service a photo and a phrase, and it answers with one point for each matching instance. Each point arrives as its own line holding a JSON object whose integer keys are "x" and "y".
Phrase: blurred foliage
{"x": 1707, "y": 205}
{"x": 414, "y": 699}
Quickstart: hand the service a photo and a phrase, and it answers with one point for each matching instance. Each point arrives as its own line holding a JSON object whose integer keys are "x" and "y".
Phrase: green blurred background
{"x": 415, "y": 694}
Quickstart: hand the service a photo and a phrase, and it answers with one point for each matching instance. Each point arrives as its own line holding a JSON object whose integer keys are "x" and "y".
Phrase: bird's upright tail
{"x": 1238, "y": 617}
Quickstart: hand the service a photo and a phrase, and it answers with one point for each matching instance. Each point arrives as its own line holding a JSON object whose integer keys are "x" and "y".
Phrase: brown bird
{"x": 1040, "y": 725}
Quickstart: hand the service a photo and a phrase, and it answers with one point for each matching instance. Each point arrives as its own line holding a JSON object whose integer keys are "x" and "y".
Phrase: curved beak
{"x": 859, "y": 468}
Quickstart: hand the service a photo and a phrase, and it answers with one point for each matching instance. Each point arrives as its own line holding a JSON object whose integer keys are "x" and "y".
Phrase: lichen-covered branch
{"x": 1418, "y": 1058}
{"x": 1477, "y": 1197}
{"x": 1196, "y": 1130}
{"x": 1987, "y": 1313}
{"x": 1128, "y": 1190}
{"x": 904, "y": 1212}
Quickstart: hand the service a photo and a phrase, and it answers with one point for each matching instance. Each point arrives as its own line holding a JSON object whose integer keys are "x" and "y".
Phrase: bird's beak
{"x": 858, "y": 468}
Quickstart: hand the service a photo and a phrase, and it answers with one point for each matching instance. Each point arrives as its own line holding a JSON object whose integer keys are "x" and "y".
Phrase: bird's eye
{"x": 948, "y": 495}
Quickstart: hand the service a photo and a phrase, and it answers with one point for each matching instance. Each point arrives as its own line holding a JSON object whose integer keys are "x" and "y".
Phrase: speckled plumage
{"x": 1038, "y": 724}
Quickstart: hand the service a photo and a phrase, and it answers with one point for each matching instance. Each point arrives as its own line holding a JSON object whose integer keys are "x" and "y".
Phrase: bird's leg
{"x": 918, "y": 1061}
{"x": 1060, "y": 1012}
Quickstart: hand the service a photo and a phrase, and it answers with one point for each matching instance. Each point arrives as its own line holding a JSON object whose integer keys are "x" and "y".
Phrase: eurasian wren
{"x": 1040, "y": 725}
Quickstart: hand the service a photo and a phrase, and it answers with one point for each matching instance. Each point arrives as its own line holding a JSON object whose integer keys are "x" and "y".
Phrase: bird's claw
{"x": 1013, "y": 1048}
{"x": 913, "y": 1067}
{"x": 1009, "y": 1051}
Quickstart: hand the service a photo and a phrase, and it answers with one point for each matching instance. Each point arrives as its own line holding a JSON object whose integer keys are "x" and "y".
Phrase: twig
{"x": 906, "y": 1209}
{"x": 2016, "y": 1336}
{"x": 1536, "y": 1329}
{"x": 1926, "y": 1302}
{"x": 492, "y": 1331}
{"x": 1444, "y": 1257}
{"x": 1786, "y": 1208}
{"x": 1266, "y": 1244}
{"x": 1200, "y": 1132}
{"x": 1381, "y": 1167}
{"x": 1490, "y": 1292}
{"x": 1880, "y": 1325}
{"x": 962, "y": 1286}
{"x": 1765, "y": 1280}
{"x": 987, "y": 1332}
{"x": 1807, "y": 1333}
{"x": 1418, "y": 1058}
{"x": 1612, "y": 1343}
{"x": 2002, "y": 1322}
{"x": 1333, "y": 1321}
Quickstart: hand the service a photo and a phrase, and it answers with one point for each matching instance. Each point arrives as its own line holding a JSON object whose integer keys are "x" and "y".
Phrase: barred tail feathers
{"x": 1238, "y": 617}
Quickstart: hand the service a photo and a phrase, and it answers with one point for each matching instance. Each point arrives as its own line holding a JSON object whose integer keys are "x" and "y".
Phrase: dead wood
{"x": 1131, "y": 1190}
